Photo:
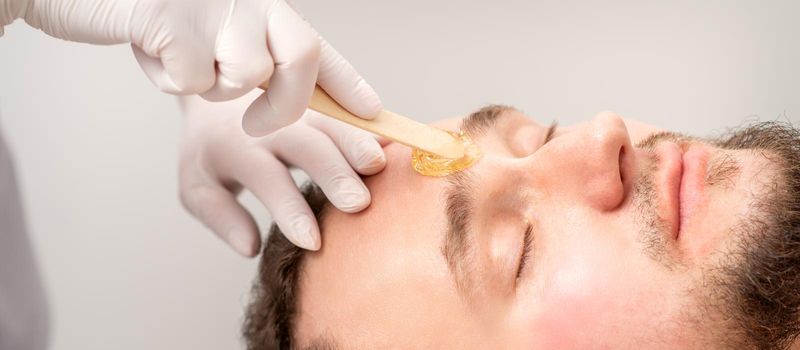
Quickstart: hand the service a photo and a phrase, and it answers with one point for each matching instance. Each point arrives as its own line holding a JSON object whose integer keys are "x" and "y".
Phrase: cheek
{"x": 576, "y": 299}
{"x": 584, "y": 296}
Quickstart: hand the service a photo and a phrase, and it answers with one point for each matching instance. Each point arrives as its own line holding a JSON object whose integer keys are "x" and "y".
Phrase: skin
{"x": 381, "y": 281}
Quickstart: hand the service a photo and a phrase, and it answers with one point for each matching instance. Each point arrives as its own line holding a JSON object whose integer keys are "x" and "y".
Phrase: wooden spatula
{"x": 390, "y": 125}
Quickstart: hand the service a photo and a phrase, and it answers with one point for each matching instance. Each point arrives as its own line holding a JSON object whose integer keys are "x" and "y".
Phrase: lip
{"x": 681, "y": 181}
{"x": 695, "y": 160}
{"x": 669, "y": 179}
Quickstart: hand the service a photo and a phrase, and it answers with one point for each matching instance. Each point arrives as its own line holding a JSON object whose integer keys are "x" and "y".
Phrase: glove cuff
{"x": 10, "y": 10}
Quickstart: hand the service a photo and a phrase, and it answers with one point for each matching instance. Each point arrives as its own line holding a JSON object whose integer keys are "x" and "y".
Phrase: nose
{"x": 591, "y": 163}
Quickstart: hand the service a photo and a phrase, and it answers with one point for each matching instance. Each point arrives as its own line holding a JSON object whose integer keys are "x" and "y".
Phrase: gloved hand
{"x": 218, "y": 160}
{"x": 220, "y": 49}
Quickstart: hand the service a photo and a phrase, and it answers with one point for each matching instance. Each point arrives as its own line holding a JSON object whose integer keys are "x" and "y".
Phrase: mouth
{"x": 693, "y": 184}
{"x": 680, "y": 180}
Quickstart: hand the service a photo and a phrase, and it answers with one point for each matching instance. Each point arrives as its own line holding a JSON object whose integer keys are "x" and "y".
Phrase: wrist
{"x": 101, "y": 22}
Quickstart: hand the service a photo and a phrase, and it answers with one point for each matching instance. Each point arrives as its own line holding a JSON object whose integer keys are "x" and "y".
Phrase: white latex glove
{"x": 220, "y": 49}
{"x": 218, "y": 160}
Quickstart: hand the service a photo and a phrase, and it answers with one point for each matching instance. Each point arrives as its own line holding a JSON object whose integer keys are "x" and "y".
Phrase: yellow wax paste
{"x": 429, "y": 164}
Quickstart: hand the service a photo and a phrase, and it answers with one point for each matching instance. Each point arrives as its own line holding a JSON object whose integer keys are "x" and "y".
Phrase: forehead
{"x": 390, "y": 251}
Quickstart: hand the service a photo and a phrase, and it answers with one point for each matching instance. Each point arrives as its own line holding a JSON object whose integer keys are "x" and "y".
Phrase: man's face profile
{"x": 603, "y": 235}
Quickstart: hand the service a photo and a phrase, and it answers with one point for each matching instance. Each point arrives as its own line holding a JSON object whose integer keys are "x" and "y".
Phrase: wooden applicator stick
{"x": 390, "y": 125}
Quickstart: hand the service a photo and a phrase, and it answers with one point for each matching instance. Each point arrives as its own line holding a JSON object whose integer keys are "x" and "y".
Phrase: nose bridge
{"x": 585, "y": 163}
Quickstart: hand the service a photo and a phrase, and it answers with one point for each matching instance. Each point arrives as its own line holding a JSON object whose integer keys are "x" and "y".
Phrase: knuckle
{"x": 306, "y": 52}
{"x": 356, "y": 136}
{"x": 261, "y": 69}
{"x": 312, "y": 50}
{"x": 357, "y": 142}
{"x": 189, "y": 83}
{"x": 251, "y": 72}
{"x": 194, "y": 199}
{"x": 336, "y": 174}
{"x": 188, "y": 198}
{"x": 192, "y": 88}
{"x": 294, "y": 207}
{"x": 200, "y": 83}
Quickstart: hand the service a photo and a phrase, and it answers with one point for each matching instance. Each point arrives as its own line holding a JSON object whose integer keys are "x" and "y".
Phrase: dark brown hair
{"x": 762, "y": 294}
{"x": 270, "y": 318}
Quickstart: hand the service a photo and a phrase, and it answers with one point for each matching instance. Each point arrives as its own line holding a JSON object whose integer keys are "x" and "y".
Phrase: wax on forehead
{"x": 429, "y": 164}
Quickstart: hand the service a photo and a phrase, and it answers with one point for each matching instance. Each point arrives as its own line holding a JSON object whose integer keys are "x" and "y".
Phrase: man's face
{"x": 583, "y": 241}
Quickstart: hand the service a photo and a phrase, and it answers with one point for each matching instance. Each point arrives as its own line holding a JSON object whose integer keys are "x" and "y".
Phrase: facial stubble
{"x": 750, "y": 294}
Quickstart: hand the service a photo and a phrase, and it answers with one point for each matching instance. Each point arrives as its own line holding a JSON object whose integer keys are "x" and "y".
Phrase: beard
{"x": 753, "y": 291}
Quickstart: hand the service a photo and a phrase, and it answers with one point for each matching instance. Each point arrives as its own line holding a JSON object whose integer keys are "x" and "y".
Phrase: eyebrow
{"x": 457, "y": 248}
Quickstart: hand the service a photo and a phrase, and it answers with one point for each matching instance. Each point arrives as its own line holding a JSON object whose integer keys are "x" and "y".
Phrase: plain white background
{"x": 96, "y": 145}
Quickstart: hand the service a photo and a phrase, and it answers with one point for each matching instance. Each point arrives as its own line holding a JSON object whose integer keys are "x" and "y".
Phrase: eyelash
{"x": 527, "y": 245}
{"x": 527, "y": 241}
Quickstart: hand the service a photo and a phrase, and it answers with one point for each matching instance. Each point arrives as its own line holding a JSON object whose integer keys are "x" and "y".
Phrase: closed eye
{"x": 527, "y": 243}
